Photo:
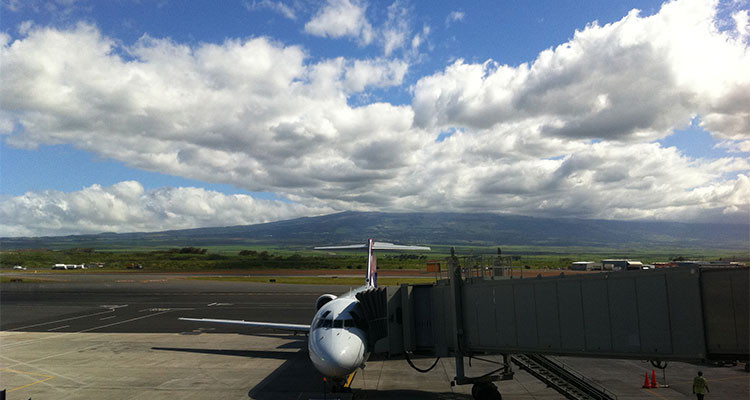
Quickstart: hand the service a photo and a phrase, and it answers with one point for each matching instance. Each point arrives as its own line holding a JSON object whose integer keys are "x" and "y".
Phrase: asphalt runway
{"x": 116, "y": 336}
{"x": 148, "y": 304}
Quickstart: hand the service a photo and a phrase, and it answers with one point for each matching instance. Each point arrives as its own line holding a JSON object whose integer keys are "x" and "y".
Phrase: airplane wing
{"x": 270, "y": 325}
{"x": 352, "y": 246}
{"x": 375, "y": 246}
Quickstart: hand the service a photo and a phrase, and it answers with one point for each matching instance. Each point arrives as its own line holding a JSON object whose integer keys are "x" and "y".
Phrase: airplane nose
{"x": 336, "y": 352}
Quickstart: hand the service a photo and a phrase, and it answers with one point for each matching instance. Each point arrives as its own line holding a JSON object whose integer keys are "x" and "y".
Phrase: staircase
{"x": 564, "y": 380}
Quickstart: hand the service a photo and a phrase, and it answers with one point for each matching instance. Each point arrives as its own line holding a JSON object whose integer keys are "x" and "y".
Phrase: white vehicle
{"x": 337, "y": 342}
{"x": 68, "y": 266}
{"x": 19, "y": 268}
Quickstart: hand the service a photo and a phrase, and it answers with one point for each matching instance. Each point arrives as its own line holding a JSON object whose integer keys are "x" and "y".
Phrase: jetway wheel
{"x": 485, "y": 391}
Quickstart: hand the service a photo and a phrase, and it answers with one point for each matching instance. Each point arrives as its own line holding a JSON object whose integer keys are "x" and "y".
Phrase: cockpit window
{"x": 339, "y": 323}
{"x": 324, "y": 323}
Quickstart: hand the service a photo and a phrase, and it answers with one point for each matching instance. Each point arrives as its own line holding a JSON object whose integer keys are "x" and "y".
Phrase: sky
{"x": 123, "y": 116}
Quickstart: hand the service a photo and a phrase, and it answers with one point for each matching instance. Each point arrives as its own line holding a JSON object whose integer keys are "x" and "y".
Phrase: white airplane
{"x": 337, "y": 341}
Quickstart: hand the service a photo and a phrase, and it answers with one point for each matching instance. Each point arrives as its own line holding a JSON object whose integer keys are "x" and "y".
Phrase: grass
{"x": 23, "y": 279}
{"x": 216, "y": 258}
{"x": 316, "y": 280}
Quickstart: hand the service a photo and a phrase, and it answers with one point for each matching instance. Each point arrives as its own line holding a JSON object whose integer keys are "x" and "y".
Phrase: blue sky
{"x": 286, "y": 109}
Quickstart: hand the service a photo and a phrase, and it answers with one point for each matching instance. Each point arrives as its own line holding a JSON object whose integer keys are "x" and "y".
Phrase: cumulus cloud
{"x": 742, "y": 23}
{"x": 635, "y": 79}
{"x": 341, "y": 18}
{"x": 127, "y": 207}
{"x": 348, "y": 19}
{"x": 249, "y": 111}
{"x": 374, "y": 73}
{"x": 260, "y": 115}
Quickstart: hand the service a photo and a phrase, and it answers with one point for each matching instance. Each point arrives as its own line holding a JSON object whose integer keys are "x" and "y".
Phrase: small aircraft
{"x": 337, "y": 341}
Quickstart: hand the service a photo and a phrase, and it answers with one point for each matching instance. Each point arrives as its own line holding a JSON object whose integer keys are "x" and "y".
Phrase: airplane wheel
{"x": 485, "y": 391}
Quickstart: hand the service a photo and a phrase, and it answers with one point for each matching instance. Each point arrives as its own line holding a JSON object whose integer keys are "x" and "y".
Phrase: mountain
{"x": 423, "y": 228}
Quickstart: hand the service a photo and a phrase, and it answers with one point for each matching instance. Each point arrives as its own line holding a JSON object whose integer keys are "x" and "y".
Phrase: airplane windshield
{"x": 324, "y": 323}
{"x": 338, "y": 323}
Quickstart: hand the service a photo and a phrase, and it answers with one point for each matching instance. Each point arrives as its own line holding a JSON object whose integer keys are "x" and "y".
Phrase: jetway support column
{"x": 456, "y": 294}
{"x": 484, "y": 382}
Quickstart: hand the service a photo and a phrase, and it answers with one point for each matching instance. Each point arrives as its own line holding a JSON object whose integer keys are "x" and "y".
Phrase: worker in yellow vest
{"x": 700, "y": 386}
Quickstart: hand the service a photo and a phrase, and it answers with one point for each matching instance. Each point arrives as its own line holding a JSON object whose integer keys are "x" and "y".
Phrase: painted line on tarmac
{"x": 61, "y": 320}
{"x": 123, "y": 322}
{"x": 51, "y": 373}
{"x": 650, "y": 391}
{"x": 46, "y": 378}
{"x": 83, "y": 331}
{"x": 58, "y": 328}
{"x": 105, "y": 318}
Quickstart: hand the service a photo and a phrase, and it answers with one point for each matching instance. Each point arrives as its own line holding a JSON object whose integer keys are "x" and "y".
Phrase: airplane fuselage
{"x": 337, "y": 342}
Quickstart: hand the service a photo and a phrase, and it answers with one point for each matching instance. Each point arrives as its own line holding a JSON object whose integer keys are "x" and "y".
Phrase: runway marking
{"x": 113, "y": 306}
{"x": 61, "y": 320}
{"x": 59, "y": 327}
{"x": 122, "y": 322}
{"x": 46, "y": 378}
{"x": 110, "y": 317}
{"x": 85, "y": 330}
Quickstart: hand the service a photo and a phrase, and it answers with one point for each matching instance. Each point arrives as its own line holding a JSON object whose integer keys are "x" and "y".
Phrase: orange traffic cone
{"x": 646, "y": 385}
{"x": 654, "y": 385}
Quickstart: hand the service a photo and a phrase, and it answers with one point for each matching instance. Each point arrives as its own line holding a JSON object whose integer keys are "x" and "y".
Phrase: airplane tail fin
{"x": 371, "y": 279}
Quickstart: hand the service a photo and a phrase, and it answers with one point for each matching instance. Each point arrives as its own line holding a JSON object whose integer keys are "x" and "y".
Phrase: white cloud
{"x": 742, "y": 23}
{"x": 454, "y": 16}
{"x": 276, "y": 6}
{"x": 127, "y": 207}
{"x": 654, "y": 74}
{"x": 341, "y": 18}
{"x": 250, "y": 113}
{"x": 348, "y": 19}
{"x": 396, "y": 29}
{"x": 374, "y": 73}
{"x": 260, "y": 115}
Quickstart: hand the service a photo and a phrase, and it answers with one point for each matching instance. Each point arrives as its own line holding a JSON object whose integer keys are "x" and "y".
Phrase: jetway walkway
{"x": 676, "y": 314}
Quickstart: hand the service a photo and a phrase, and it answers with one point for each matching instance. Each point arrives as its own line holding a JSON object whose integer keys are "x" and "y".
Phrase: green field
{"x": 214, "y": 258}
{"x": 318, "y": 280}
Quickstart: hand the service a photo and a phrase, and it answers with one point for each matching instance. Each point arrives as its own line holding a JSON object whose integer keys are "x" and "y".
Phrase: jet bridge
{"x": 682, "y": 314}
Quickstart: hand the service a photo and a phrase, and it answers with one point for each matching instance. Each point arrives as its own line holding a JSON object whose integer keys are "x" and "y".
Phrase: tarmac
{"x": 117, "y": 336}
